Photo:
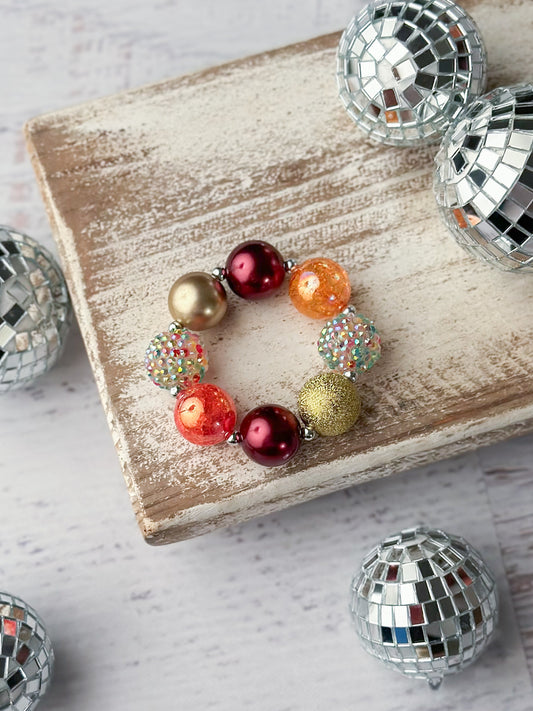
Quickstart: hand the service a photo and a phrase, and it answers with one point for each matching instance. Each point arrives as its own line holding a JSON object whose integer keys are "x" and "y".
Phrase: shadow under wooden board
{"x": 149, "y": 184}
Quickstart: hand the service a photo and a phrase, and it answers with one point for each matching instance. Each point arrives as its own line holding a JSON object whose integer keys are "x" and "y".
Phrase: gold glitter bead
{"x": 197, "y": 301}
{"x": 330, "y": 404}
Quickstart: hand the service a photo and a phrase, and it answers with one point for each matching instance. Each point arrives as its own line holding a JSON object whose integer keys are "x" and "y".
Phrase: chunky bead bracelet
{"x": 328, "y": 404}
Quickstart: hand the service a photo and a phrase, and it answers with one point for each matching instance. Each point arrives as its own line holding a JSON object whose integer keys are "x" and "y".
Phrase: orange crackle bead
{"x": 205, "y": 414}
{"x": 319, "y": 288}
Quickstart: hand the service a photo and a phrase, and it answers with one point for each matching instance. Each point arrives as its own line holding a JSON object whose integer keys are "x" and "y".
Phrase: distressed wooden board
{"x": 145, "y": 185}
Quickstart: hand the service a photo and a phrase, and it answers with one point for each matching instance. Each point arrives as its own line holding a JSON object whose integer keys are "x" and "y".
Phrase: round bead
{"x": 330, "y": 404}
{"x": 254, "y": 270}
{"x": 205, "y": 414}
{"x": 271, "y": 435}
{"x": 197, "y": 300}
{"x": 350, "y": 343}
{"x": 176, "y": 359}
{"x": 319, "y": 288}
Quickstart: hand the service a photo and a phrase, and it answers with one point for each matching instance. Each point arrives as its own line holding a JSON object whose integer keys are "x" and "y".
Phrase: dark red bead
{"x": 271, "y": 435}
{"x": 255, "y": 270}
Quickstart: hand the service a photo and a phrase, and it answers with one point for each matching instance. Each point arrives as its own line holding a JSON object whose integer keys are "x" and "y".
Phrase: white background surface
{"x": 254, "y": 616}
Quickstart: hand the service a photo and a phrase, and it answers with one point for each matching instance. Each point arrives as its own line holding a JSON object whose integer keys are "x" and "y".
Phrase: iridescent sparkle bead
{"x": 350, "y": 343}
{"x": 176, "y": 359}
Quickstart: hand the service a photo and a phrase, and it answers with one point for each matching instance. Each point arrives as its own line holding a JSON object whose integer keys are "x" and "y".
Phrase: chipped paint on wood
{"x": 145, "y": 185}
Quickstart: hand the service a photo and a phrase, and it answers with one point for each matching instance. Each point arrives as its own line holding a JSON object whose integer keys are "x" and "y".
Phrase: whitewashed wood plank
{"x": 145, "y": 185}
{"x": 69, "y": 541}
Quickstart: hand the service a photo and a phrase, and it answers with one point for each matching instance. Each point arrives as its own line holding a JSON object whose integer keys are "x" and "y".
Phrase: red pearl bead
{"x": 205, "y": 414}
{"x": 271, "y": 435}
{"x": 255, "y": 270}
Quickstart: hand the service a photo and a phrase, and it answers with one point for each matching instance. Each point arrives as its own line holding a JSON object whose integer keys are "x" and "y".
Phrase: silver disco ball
{"x": 484, "y": 178}
{"x": 424, "y": 603}
{"x": 405, "y": 70}
{"x": 26, "y": 656}
{"x": 35, "y": 310}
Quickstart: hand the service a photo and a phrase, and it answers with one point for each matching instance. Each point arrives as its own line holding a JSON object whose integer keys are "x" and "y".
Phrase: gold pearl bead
{"x": 197, "y": 301}
{"x": 330, "y": 404}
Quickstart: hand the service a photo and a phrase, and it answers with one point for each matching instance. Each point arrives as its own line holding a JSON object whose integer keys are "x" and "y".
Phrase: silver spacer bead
{"x": 289, "y": 265}
{"x": 219, "y": 273}
{"x": 351, "y": 375}
{"x": 350, "y": 310}
{"x": 174, "y": 390}
{"x": 307, "y": 434}
{"x": 235, "y": 438}
{"x": 175, "y": 326}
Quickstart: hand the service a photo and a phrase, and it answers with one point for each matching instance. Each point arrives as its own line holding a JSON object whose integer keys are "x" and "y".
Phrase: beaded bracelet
{"x": 329, "y": 403}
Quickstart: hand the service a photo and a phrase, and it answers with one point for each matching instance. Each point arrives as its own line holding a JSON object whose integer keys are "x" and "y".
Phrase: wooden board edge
{"x": 68, "y": 258}
{"x": 328, "y": 40}
{"x": 265, "y": 499}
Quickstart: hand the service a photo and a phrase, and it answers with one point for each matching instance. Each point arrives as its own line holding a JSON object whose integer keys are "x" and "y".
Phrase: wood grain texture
{"x": 253, "y": 616}
{"x": 145, "y": 185}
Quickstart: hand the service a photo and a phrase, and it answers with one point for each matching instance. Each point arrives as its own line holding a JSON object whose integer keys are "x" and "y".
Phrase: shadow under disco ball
{"x": 424, "y": 603}
{"x": 405, "y": 70}
{"x": 484, "y": 178}
{"x": 35, "y": 310}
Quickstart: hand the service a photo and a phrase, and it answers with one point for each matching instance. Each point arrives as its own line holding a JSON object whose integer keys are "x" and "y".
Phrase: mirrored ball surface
{"x": 406, "y": 69}
{"x": 484, "y": 178}
{"x": 26, "y": 656}
{"x": 424, "y": 603}
{"x": 35, "y": 310}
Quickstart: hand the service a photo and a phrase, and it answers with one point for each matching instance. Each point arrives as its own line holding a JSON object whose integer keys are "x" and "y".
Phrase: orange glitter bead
{"x": 319, "y": 288}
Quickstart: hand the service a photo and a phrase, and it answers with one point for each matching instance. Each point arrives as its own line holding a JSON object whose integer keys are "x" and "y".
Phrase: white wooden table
{"x": 254, "y": 616}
